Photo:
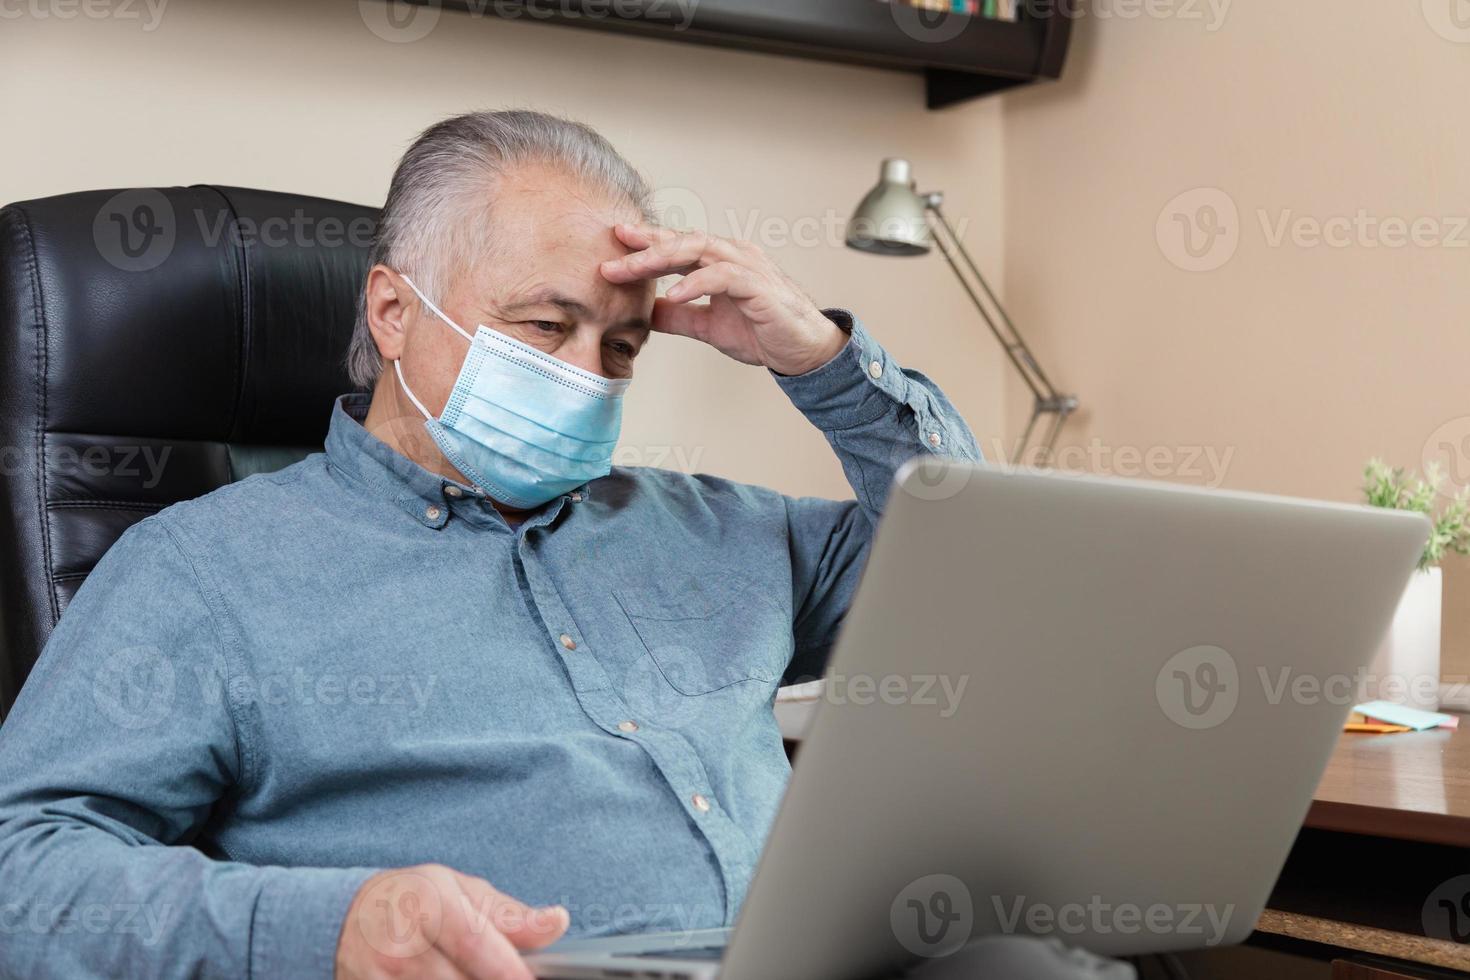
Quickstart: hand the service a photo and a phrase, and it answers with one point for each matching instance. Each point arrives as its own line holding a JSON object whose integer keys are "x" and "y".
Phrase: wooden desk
{"x": 1411, "y": 786}
{"x": 1389, "y": 825}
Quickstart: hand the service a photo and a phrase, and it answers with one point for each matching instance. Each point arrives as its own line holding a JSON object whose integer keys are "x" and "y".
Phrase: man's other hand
{"x": 756, "y": 314}
{"x": 431, "y": 921}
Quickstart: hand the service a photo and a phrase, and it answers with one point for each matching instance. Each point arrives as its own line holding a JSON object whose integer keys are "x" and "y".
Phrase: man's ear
{"x": 386, "y": 297}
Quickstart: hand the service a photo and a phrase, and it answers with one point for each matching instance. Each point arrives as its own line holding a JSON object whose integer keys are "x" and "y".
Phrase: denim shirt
{"x": 262, "y": 696}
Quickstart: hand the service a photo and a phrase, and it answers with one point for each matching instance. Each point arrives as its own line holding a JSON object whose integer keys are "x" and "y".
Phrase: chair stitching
{"x": 242, "y": 311}
{"x": 105, "y": 504}
{"x": 38, "y": 312}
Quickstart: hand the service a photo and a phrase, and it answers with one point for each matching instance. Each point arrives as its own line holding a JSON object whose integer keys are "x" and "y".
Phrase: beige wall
{"x": 1302, "y": 360}
{"x": 1290, "y": 363}
{"x": 304, "y": 97}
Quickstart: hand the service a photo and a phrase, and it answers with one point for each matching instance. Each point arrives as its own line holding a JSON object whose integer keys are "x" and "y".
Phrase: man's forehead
{"x": 550, "y": 205}
{"x": 519, "y": 277}
{"x": 547, "y": 235}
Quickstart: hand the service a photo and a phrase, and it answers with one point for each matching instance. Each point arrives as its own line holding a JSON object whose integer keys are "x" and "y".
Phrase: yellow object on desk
{"x": 1374, "y": 727}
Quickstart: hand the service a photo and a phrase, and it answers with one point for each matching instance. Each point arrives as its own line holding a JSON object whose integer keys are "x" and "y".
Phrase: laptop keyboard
{"x": 690, "y": 953}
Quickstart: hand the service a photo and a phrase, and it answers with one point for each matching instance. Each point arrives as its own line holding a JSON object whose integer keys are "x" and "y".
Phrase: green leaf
{"x": 1395, "y": 488}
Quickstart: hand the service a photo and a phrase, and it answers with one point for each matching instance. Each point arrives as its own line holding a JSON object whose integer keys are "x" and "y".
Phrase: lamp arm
{"x": 1015, "y": 345}
{"x": 1046, "y": 398}
{"x": 1010, "y": 349}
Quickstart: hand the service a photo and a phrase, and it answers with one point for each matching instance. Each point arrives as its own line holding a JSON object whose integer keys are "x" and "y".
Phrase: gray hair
{"x": 437, "y": 210}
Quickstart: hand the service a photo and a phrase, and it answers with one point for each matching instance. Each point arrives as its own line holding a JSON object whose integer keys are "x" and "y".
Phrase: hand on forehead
{"x": 547, "y": 238}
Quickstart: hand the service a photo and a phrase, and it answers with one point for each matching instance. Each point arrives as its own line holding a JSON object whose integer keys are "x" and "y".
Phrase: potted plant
{"x": 1406, "y": 668}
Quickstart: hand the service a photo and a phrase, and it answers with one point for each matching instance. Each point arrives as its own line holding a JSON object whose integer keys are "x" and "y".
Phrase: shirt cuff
{"x": 299, "y": 917}
{"x": 857, "y": 386}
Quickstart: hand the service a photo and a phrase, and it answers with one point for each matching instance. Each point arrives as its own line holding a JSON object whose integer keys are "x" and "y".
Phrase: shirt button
{"x": 700, "y": 803}
{"x": 628, "y": 727}
{"x": 568, "y": 642}
{"x": 875, "y": 370}
{"x": 432, "y": 513}
{"x": 454, "y": 491}
{"x": 934, "y": 439}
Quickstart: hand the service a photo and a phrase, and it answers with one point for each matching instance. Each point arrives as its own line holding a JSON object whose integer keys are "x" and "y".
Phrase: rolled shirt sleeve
{"x": 121, "y": 743}
{"x": 876, "y": 416}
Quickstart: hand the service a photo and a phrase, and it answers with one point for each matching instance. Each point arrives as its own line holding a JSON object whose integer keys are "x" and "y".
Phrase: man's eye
{"x": 624, "y": 349}
{"x": 546, "y": 326}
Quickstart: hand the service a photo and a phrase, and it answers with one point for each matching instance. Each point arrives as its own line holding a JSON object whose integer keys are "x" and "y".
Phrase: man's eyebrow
{"x": 575, "y": 307}
{"x": 550, "y": 297}
{"x": 634, "y": 323}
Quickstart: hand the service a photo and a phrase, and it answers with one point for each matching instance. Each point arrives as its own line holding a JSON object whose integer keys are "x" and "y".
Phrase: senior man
{"x": 205, "y": 774}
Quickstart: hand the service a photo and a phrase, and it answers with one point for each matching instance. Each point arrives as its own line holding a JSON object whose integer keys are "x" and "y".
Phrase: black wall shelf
{"x": 960, "y": 57}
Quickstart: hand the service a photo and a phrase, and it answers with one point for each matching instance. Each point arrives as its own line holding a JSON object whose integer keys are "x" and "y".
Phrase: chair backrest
{"x": 155, "y": 344}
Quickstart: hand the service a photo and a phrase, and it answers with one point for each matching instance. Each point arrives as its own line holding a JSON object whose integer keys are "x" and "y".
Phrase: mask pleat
{"x": 531, "y": 433}
{"x": 523, "y": 425}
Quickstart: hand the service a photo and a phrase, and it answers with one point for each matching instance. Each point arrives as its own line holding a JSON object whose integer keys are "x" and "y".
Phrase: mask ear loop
{"x": 438, "y": 312}
{"x": 397, "y": 364}
{"x": 398, "y": 367}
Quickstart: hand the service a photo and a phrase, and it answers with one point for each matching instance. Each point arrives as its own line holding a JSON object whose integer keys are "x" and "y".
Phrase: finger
{"x": 526, "y": 926}
{"x": 471, "y": 939}
{"x": 432, "y": 964}
{"x": 504, "y": 912}
{"x": 634, "y": 235}
{"x": 725, "y": 278}
{"x": 644, "y": 235}
{"x": 540, "y": 928}
{"x": 666, "y": 253}
{"x": 670, "y": 253}
{"x": 483, "y": 955}
{"x": 680, "y": 319}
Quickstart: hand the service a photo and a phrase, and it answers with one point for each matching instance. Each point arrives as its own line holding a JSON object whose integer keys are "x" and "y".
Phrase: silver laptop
{"x": 1059, "y": 706}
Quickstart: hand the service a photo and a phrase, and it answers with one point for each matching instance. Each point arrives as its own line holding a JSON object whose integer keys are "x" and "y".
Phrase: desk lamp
{"x": 893, "y": 219}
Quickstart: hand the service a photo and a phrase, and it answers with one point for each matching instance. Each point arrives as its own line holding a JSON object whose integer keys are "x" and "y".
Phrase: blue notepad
{"x": 1398, "y": 714}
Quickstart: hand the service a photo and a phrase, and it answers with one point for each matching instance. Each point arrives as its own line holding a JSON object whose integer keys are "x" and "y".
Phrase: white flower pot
{"x": 1406, "y": 668}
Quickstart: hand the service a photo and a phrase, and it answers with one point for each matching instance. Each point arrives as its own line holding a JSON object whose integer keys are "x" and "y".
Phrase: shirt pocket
{"x": 703, "y": 637}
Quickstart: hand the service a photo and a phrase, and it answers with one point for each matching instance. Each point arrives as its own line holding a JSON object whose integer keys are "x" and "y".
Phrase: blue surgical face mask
{"x": 520, "y": 424}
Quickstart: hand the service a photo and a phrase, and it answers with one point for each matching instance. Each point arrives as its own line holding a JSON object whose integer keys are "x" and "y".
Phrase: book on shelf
{"x": 1006, "y": 10}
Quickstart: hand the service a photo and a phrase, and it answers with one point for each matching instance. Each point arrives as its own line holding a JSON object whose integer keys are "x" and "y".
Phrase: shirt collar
{"x": 426, "y": 496}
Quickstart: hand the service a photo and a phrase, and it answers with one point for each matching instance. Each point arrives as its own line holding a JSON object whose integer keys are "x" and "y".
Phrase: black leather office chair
{"x": 154, "y": 345}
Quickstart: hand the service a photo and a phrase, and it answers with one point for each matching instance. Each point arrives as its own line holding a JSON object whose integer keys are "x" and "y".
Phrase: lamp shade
{"x": 891, "y": 218}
